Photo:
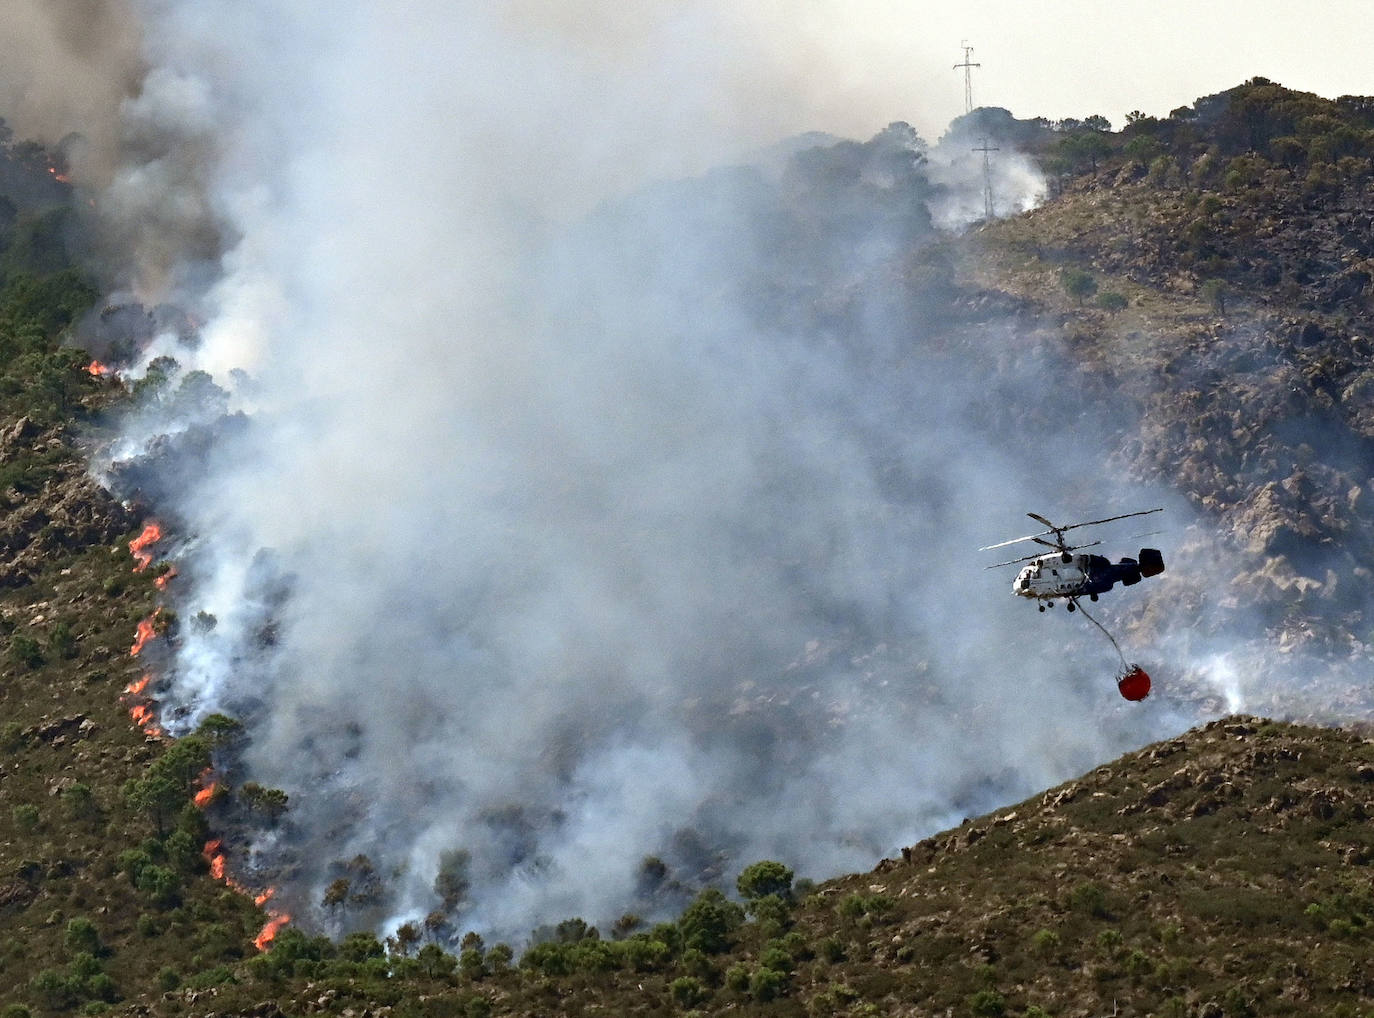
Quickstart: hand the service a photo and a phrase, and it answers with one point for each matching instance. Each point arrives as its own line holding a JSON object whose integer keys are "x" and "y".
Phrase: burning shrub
{"x": 166, "y": 787}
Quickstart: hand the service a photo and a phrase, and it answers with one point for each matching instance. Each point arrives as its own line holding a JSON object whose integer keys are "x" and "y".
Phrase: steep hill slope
{"x": 1222, "y": 872}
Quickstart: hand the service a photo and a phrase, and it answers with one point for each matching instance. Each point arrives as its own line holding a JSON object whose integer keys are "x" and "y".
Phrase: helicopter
{"x": 1066, "y": 573}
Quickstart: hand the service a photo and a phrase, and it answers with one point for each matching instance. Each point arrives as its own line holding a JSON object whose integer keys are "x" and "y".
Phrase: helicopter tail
{"x": 1151, "y": 562}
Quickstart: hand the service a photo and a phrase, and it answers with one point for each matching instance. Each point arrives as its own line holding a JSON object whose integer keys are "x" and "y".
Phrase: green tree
{"x": 271, "y": 803}
{"x": 1112, "y": 301}
{"x": 435, "y": 963}
{"x": 1078, "y": 284}
{"x": 1214, "y": 292}
{"x": 82, "y": 935}
{"x": 765, "y": 878}
{"x": 687, "y": 992}
{"x": 709, "y": 922}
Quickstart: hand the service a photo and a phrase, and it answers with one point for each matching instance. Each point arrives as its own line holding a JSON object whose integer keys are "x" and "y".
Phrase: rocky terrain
{"x": 1223, "y": 332}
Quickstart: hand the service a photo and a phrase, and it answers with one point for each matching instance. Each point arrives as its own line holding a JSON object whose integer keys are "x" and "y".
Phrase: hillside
{"x": 1201, "y": 286}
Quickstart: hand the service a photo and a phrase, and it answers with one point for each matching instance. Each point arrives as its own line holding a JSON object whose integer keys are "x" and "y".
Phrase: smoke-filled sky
{"x": 589, "y": 519}
{"x": 774, "y": 69}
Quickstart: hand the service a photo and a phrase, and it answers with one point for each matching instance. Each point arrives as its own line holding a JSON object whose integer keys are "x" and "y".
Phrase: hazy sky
{"x": 1060, "y": 58}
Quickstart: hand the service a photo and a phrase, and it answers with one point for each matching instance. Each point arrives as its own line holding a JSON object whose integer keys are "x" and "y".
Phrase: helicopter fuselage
{"x": 1064, "y": 574}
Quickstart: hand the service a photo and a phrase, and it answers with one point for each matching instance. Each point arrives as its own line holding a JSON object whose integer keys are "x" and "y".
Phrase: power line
{"x": 968, "y": 65}
{"x": 985, "y": 148}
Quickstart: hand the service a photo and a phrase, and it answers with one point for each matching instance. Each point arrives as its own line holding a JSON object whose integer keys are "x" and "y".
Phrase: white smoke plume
{"x": 572, "y": 518}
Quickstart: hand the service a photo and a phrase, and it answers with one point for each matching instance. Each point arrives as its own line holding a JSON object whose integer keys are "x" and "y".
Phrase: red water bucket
{"x": 1134, "y": 683}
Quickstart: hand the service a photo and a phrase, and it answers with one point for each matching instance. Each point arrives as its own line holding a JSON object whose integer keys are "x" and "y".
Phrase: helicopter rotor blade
{"x": 1041, "y": 555}
{"x": 1109, "y": 519}
{"x": 1075, "y": 547}
{"x": 1058, "y": 532}
{"x": 1015, "y": 561}
{"x": 1017, "y": 540}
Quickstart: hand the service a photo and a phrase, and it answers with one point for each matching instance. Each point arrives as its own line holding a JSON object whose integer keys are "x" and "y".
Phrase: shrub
{"x": 1109, "y": 942}
{"x": 1110, "y": 300}
{"x": 12, "y": 736}
{"x": 737, "y": 978}
{"x": 499, "y": 958}
{"x": 1045, "y": 942}
{"x": 25, "y": 817}
{"x": 777, "y": 959}
{"x": 768, "y": 984}
{"x": 709, "y": 922}
{"x": 1138, "y": 964}
{"x": 61, "y": 641}
{"x": 472, "y": 963}
{"x": 1078, "y": 284}
{"x": 435, "y": 963}
{"x": 1090, "y": 899}
{"x": 82, "y": 935}
{"x": 687, "y": 992}
{"x": 763, "y": 879}
{"x": 161, "y": 884}
{"x": 1214, "y": 292}
{"x": 857, "y": 905}
{"x": 54, "y": 989}
{"x": 80, "y": 802}
{"x": 987, "y": 1004}
{"x": 24, "y": 650}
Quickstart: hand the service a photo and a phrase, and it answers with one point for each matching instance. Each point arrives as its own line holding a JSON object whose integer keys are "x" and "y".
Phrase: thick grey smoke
{"x": 573, "y": 519}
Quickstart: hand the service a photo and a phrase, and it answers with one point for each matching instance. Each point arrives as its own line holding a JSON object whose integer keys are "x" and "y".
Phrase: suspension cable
{"x": 1099, "y": 625}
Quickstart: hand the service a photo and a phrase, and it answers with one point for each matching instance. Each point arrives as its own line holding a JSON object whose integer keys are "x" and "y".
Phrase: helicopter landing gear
{"x": 1092, "y": 597}
{"x": 1072, "y": 607}
{"x": 1041, "y": 607}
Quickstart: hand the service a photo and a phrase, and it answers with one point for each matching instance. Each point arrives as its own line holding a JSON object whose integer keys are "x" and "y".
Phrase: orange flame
{"x": 161, "y": 582}
{"x": 146, "y": 632}
{"x": 275, "y": 921}
{"x": 143, "y": 716}
{"x": 214, "y": 857}
{"x": 95, "y": 369}
{"x": 138, "y": 686}
{"x": 203, "y": 797}
{"x": 152, "y": 533}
